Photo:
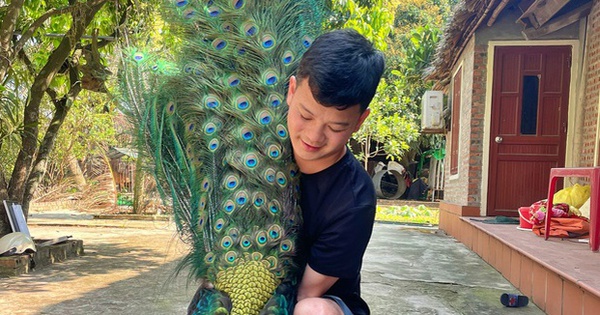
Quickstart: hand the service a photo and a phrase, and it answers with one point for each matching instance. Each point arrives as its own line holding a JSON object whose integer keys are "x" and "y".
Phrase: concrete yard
{"x": 128, "y": 268}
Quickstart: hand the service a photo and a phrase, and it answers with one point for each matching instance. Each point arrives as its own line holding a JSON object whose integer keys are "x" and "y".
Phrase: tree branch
{"x": 50, "y": 13}
{"x": 7, "y": 29}
{"x": 81, "y": 19}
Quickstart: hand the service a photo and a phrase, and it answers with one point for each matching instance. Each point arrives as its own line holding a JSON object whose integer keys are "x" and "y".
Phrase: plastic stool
{"x": 593, "y": 173}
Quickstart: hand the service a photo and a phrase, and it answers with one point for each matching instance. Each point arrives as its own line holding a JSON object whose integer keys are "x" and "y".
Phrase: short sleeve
{"x": 339, "y": 250}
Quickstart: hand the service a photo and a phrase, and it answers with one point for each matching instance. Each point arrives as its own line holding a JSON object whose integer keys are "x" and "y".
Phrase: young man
{"x": 328, "y": 101}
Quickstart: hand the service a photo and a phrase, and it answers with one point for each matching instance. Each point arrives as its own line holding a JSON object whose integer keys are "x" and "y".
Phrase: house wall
{"x": 468, "y": 189}
{"x": 458, "y": 190}
{"x": 589, "y": 147}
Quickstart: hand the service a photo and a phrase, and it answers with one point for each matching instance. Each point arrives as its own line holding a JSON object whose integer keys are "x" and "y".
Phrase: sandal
{"x": 513, "y": 300}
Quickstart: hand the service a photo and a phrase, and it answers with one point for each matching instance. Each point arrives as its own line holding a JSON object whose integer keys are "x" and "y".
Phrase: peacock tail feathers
{"x": 213, "y": 120}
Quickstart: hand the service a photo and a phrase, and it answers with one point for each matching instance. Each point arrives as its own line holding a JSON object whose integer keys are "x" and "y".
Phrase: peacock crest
{"x": 214, "y": 122}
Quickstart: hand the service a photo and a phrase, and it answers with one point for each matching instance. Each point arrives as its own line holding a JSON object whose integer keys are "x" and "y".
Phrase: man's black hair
{"x": 343, "y": 69}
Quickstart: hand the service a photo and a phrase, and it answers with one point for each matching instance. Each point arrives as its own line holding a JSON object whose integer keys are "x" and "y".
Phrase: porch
{"x": 561, "y": 276}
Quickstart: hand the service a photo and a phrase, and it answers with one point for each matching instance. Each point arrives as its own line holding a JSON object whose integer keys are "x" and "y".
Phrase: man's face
{"x": 319, "y": 134}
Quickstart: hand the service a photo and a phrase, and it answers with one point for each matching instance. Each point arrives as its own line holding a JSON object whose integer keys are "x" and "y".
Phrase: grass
{"x": 408, "y": 214}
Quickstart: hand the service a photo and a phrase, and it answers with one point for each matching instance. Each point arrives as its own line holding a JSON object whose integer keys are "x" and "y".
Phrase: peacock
{"x": 213, "y": 121}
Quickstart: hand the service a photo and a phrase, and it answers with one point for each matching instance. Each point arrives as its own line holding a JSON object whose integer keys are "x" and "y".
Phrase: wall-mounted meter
{"x": 432, "y": 112}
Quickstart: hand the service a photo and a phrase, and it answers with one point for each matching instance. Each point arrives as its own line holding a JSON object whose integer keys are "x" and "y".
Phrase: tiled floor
{"x": 561, "y": 275}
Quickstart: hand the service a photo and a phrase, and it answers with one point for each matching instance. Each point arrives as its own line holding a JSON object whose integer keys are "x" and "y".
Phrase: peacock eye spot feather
{"x": 264, "y": 117}
{"x": 213, "y": 145}
{"x": 251, "y": 31}
{"x": 307, "y": 41}
{"x": 189, "y": 13}
{"x": 241, "y": 200}
{"x": 231, "y": 181}
{"x": 230, "y": 256}
{"x": 242, "y": 102}
{"x": 241, "y": 51}
{"x": 138, "y": 56}
{"x": 214, "y": 11}
{"x": 219, "y": 44}
{"x": 275, "y": 100}
{"x": 271, "y": 178}
{"x": 238, "y": 4}
{"x": 262, "y": 239}
{"x": 211, "y": 102}
{"x": 271, "y": 80}
{"x": 209, "y": 257}
{"x": 246, "y": 243}
{"x": 248, "y": 135}
{"x": 210, "y": 128}
{"x": 188, "y": 69}
{"x": 274, "y": 151}
{"x": 249, "y": 28}
{"x": 205, "y": 184}
{"x": 251, "y": 160}
{"x": 227, "y": 27}
{"x": 268, "y": 43}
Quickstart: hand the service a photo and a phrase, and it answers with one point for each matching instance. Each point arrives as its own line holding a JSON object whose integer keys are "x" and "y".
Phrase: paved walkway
{"x": 128, "y": 268}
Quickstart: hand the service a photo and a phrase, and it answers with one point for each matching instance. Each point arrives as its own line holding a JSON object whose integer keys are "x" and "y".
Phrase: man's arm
{"x": 314, "y": 284}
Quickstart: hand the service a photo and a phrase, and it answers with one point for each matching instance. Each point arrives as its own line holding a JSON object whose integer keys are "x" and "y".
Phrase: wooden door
{"x": 530, "y": 98}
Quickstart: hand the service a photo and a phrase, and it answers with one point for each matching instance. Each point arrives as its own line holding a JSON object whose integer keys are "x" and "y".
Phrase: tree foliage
{"x": 393, "y": 127}
{"x": 52, "y": 60}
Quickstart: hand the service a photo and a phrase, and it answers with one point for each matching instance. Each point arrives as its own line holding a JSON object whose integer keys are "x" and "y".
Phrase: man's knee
{"x": 317, "y": 306}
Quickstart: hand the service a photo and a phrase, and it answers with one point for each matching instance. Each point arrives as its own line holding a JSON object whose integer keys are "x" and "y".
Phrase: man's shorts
{"x": 339, "y": 302}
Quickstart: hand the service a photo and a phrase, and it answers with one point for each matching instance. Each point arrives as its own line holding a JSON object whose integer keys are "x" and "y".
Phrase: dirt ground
{"x": 125, "y": 270}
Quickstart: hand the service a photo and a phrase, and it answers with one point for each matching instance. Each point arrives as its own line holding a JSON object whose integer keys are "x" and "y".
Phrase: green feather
{"x": 214, "y": 123}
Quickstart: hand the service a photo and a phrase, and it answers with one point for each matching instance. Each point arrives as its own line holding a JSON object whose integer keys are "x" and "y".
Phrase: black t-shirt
{"x": 338, "y": 207}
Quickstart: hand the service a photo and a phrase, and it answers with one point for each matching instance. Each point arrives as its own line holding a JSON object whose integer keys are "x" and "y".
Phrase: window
{"x": 456, "y": 85}
{"x": 529, "y": 107}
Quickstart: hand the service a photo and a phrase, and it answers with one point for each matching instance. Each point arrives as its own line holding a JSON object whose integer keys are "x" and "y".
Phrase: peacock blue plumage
{"x": 214, "y": 122}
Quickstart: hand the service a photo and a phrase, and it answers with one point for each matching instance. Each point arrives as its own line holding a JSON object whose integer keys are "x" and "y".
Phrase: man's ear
{"x": 291, "y": 89}
{"x": 362, "y": 118}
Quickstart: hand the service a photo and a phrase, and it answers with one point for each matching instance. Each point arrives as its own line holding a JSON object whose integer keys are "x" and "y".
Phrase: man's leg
{"x": 327, "y": 305}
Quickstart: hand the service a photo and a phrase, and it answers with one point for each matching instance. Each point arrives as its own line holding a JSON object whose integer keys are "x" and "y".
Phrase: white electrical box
{"x": 432, "y": 112}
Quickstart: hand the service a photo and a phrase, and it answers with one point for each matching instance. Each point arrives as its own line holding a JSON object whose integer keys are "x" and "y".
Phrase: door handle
{"x": 498, "y": 139}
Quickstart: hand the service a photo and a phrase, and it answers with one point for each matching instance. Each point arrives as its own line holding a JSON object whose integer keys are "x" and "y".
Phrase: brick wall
{"x": 477, "y": 124}
{"x": 464, "y": 188}
{"x": 592, "y": 88}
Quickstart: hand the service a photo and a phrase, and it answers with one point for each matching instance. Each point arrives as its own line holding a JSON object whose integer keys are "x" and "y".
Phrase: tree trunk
{"x": 81, "y": 19}
{"x": 22, "y": 183}
{"x": 76, "y": 171}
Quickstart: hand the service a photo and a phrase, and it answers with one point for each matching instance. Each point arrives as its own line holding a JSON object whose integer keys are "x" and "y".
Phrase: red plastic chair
{"x": 593, "y": 173}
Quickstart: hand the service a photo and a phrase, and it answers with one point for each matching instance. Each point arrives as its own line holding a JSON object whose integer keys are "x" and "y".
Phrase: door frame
{"x": 576, "y": 69}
